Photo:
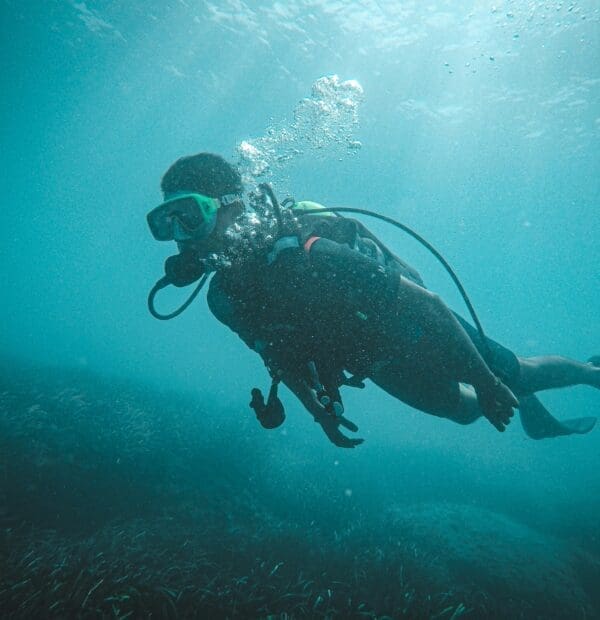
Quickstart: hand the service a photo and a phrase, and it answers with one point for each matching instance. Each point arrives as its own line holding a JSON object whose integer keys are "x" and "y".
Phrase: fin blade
{"x": 580, "y": 426}
{"x": 538, "y": 422}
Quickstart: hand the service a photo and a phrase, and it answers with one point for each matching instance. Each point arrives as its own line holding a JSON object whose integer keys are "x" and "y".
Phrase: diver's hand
{"x": 497, "y": 402}
{"x": 331, "y": 426}
{"x": 330, "y": 423}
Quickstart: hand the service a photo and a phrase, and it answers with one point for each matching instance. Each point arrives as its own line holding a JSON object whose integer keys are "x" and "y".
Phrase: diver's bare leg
{"x": 468, "y": 409}
{"x": 464, "y": 410}
{"x": 553, "y": 371}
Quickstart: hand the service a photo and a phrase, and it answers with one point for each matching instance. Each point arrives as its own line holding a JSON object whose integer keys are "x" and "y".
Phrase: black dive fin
{"x": 538, "y": 423}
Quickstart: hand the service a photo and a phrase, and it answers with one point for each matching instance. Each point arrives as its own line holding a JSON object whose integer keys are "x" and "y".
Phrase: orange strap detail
{"x": 309, "y": 243}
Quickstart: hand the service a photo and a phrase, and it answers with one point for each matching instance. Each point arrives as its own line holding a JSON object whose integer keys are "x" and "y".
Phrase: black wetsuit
{"x": 334, "y": 305}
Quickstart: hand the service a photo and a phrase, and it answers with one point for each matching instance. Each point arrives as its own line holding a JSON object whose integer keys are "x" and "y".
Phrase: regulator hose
{"x": 163, "y": 283}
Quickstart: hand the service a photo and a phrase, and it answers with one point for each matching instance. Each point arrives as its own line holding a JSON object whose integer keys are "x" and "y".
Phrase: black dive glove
{"x": 183, "y": 269}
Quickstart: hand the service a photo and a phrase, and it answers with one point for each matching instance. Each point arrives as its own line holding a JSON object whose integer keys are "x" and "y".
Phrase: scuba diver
{"x": 318, "y": 296}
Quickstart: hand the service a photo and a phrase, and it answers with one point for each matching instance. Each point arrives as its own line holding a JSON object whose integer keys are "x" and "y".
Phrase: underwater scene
{"x": 369, "y": 231}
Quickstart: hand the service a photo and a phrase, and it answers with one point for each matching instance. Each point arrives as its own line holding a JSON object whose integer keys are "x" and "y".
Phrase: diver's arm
{"x": 445, "y": 343}
{"x": 421, "y": 323}
{"x": 441, "y": 335}
{"x": 297, "y": 377}
{"x": 227, "y": 312}
{"x": 280, "y": 364}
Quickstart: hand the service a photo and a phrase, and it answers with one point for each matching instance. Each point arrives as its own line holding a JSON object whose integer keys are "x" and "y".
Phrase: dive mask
{"x": 186, "y": 215}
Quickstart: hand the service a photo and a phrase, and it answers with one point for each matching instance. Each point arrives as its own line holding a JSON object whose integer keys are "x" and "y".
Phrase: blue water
{"x": 479, "y": 127}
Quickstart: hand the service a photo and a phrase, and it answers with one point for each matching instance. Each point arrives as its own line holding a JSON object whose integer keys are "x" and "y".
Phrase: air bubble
{"x": 325, "y": 122}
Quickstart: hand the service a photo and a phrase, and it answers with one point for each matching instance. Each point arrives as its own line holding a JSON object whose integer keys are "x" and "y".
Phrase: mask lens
{"x": 188, "y": 217}
{"x": 187, "y": 214}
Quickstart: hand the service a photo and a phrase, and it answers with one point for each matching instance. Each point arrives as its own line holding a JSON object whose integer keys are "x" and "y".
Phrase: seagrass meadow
{"x": 118, "y": 502}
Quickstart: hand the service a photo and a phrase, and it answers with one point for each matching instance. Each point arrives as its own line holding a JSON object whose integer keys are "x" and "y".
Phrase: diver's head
{"x": 203, "y": 173}
{"x": 203, "y": 197}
